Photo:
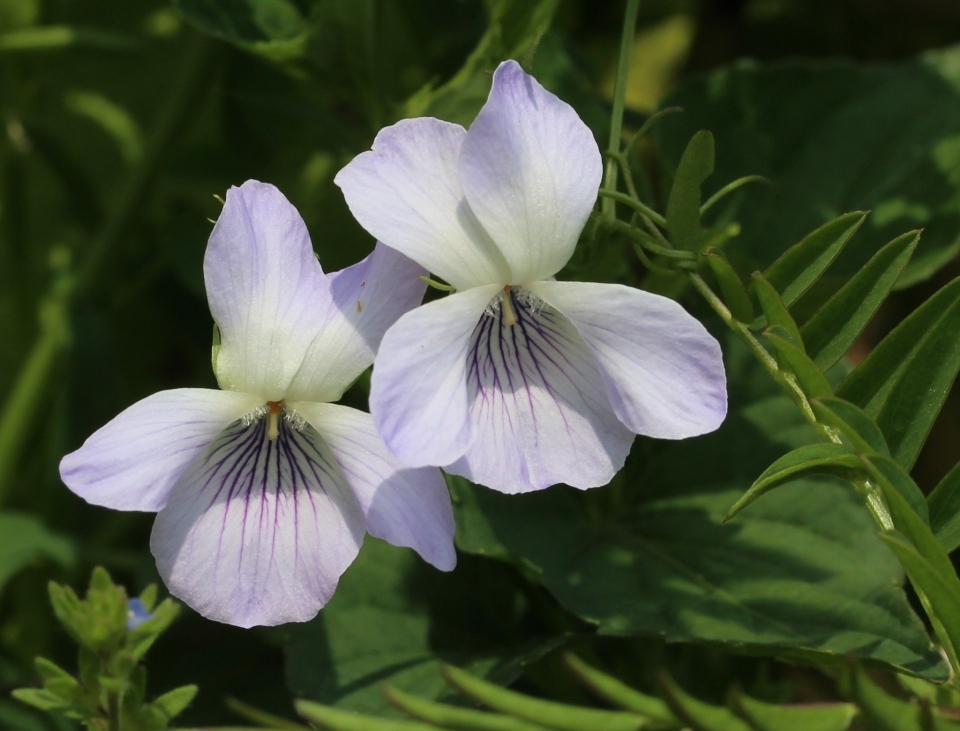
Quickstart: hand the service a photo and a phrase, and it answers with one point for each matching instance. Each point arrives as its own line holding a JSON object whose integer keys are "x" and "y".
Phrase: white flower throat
{"x": 508, "y": 298}
{"x": 273, "y": 410}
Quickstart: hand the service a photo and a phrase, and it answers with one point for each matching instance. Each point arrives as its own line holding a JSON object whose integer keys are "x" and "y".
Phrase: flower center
{"x": 273, "y": 425}
{"x": 507, "y": 304}
{"x": 509, "y": 316}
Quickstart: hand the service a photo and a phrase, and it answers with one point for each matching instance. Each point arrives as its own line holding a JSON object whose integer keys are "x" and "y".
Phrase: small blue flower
{"x": 137, "y": 614}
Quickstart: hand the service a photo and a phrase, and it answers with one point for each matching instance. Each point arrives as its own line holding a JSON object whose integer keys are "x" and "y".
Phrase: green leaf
{"x": 174, "y": 702}
{"x": 903, "y": 484}
{"x": 944, "y": 504}
{"x": 887, "y": 713}
{"x": 699, "y": 715}
{"x": 337, "y": 720}
{"x": 833, "y": 136}
{"x": 274, "y": 29}
{"x": 619, "y": 693}
{"x": 802, "y": 264}
{"x": 658, "y": 559}
{"x": 792, "y": 358}
{"x": 38, "y": 698}
{"x": 24, "y": 540}
{"x": 734, "y": 295}
{"x": 903, "y": 383}
{"x": 852, "y": 423}
{"x": 447, "y": 716}
{"x": 559, "y": 716}
{"x": 55, "y": 37}
{"x": 831, "y": 331}
{"x": 683, "y": 207}
{"x": 812, "y": 459}
{"x": 774, "y": 309}
{"x": 514, "y": 26}
{"x": 768, "y": 717}
{"x": 394, "y": 619}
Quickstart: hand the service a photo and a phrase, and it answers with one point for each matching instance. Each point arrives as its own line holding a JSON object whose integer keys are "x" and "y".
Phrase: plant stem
{"x": 31, "y": 384}
{"x": 619, "y": 92}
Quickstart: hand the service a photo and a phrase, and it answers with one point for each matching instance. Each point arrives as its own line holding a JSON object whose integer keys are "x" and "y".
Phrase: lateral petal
{"x": 134, "y": 461}
{"x": 263, "y": 284}
{"x": 538, "y": 405}
{"x": 258, "y": 532}
{"x": 359, "y": 303}
{"x": 402, "y": 505}
{"x": 418, "y": 392}
{"x": 662, "y": 370}
{"x": 530, "y": 169}
{"x": 406, "y": 192}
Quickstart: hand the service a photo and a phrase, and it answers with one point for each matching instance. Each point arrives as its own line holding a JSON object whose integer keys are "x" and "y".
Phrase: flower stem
{"x": 31, "y": 384}
{"x": 619, "y": 92}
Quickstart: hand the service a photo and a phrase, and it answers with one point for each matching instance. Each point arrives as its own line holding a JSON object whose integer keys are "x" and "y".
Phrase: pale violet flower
{"x": 265, "y": 489}
{"x": 518, "y": 381}
{"x": 137, "y": 614}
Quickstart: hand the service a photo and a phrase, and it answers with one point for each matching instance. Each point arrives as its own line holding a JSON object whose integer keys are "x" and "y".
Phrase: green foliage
{"x": 24, "y": 540}
{"x": 274, "y": 28}
{"x": 683, "y": 209}
{"x": 833, "y": 137}
{"x": 944, "y": 504}
{"x": 109, "y": 692}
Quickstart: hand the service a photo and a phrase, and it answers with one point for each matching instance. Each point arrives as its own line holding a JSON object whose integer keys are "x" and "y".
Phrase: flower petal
{"x": 406, "y": 192}
{"x": 418, "y": 393}
{"x": 530, "y": 169}
{"x": 134, "y": 461}
{"x": 663, "y": 371}
{"x": 538, "y": 405}
{"x": 258, "y": 532}
{"x": 263, "y": 284}
{"x": 404, "y": 506}
{"x": 359, "y": 304}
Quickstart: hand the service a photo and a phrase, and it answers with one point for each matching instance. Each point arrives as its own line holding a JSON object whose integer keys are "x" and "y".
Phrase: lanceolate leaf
{"x": 887, "y": 712}
{"x": 812, "y": 459}
{"x": 904, "y": 484}
{"x": 803, "y": 263}
{"x": 697, "y": 714}
{"x": 768, "y": 717}
{"x": 852, "y": 422}
{"x": 834, "y": 327}
{"x": 734, "y": 295}
{"x": 618, "y": 693}
{"x": 683, "y": 208}
{"x": 903, "y": 383}
{"x": 793, "y": 359}
{"x": 775, "y": 310}
{"x": 944, "y": 504}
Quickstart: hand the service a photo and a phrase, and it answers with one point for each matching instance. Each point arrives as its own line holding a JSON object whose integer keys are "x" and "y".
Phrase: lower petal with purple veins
{"x": 538, "y": 403}
{"x": 258, "y": 531}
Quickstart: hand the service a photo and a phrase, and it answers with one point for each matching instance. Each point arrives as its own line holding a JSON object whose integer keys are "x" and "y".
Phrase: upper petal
{"x": 359, "y": 303}
{"x": 418, "y": 393}
{"x": 263, "y": 284}
{"x": 402, "y": 505}
{"x": 258, "y": 532}
{"x": 663, "y": 371}
{"x": 530, "y": 169}
{"x": 538, "y": 405}
{"x": 134, "y": 461}
{"x": 406, "y": 192}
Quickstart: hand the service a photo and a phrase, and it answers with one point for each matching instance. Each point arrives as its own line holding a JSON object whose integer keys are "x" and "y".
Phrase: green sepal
{"x": 802, "y": 264}
{"x": 683, "y": 207}
{"x": 903, "y": 383}
{"x": 734, "y": 294}
{"x": 149, "y": 597}
{"x": 837, "y": 324}
{"x": 560, "y": 716}
{"x": 944, "y": 505}
{"x": 810, "y": 459}
{"x": 774, "y": 309}
{"x": 50, "y": 670}
{"x": 695, "y": 713}
{"x": 40, "y": 698}
{"x": 852, "y": 423}
{"x": 792, "y": 359}
{"x": 768, "y": 717}
{"x": 618, "y": 693}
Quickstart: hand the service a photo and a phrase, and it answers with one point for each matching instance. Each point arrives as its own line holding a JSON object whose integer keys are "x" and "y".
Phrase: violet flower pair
{"x": 265, "y": 489}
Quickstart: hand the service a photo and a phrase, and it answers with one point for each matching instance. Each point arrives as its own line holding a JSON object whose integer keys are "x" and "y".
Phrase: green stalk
{"x": 619, "y": 92}
{"x": 37, "y": 371}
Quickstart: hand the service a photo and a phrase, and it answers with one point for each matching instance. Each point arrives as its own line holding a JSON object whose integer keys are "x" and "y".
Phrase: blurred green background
{"x": 123, "y": 118}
